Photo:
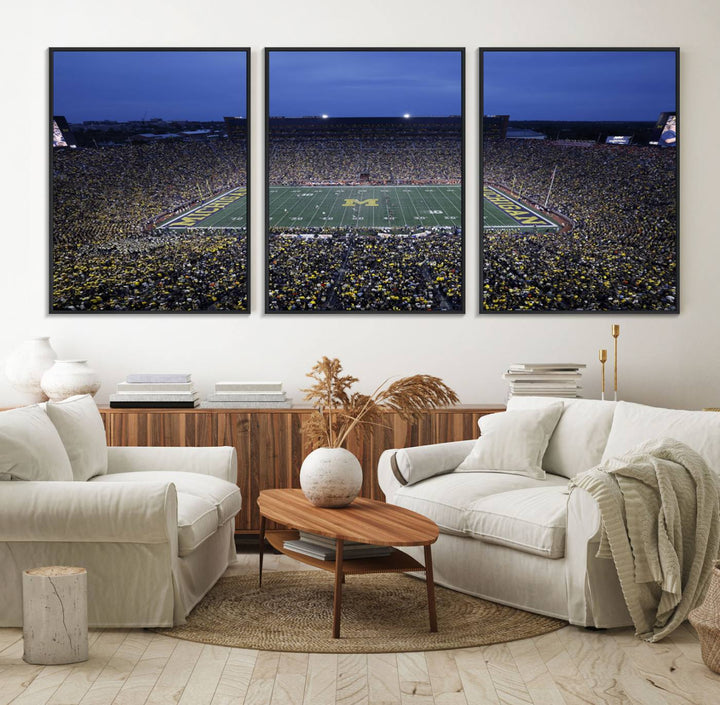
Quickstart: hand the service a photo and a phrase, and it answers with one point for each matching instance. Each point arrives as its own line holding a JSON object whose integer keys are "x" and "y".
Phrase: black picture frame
{"x": 149, "y": 188}
{"x": 294, "y": 283}
{"x": 612, "y": 241}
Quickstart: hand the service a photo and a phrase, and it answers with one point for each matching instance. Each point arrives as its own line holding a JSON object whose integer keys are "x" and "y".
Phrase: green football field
{"x": 371, "y": 207}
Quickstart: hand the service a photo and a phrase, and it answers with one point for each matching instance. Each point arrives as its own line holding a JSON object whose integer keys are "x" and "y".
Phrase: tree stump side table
{"x": 55, "y": 624}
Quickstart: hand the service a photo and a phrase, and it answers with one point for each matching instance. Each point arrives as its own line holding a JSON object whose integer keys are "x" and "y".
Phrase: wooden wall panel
{"x": 271, "y": 446}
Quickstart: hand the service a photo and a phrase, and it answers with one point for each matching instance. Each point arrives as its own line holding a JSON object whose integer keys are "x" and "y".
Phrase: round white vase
{"x": 26, "y": 365}
{"x": 66, "y": 378}
{"x": 331, "y": 477}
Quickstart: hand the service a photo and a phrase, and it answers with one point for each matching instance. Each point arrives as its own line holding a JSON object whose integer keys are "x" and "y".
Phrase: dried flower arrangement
{"x": 338, "y": 411}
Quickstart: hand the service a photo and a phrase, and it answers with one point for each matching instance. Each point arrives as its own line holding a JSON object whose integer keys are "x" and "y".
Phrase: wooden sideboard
{"x": 270, "y": 443}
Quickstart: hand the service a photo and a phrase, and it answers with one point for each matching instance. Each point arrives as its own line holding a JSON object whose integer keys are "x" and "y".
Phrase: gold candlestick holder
{"x": 615, "y": 330}
{"x": 603, "y": 360}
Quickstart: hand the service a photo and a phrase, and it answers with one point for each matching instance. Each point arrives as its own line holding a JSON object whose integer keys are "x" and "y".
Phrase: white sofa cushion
{"x": 421, "y": 462}
{"x": 79, "y": 424}
{"x": 513, "y": 442}
{"x": 223, "y": 495}
{"x": 580, "y": 437}
{"x": 446, "y": 499}
{"x": 531, "y": 520}
{"x": 197, "y": 521}
{"x": 634, "y": 424}
{"x": 30, "y": 447}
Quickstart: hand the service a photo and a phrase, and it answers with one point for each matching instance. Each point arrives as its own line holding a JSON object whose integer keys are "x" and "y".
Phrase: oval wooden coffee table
{"x": 366, "y": 521}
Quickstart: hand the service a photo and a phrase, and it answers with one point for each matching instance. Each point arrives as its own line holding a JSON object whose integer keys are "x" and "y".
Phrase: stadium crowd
{"x": 622, "y": 251}
{"x": 202, "y": 269}
{"x": 348, "y": 271}
{"x": 383, "y": 160}
{"x": 107, "y": 252}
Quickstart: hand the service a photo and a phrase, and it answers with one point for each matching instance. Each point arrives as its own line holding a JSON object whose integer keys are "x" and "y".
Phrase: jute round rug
{"x": 380, "y": 613}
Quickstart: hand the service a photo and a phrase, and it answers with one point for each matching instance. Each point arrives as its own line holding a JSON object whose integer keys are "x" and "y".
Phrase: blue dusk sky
{"x": 132, "y": 85}
{"x": 579, "y": 85}
{"x": 365, "y": 83}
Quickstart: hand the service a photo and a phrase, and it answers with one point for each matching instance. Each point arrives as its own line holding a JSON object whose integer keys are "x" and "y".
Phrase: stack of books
{"x": 156, "y": 391}
{"x": 544, "y": 379}
{"x": 323, "y": 548}
{"x": 247, "y": 395}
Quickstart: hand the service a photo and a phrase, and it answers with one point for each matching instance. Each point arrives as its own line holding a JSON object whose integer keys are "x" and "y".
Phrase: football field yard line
{"x": 429, "y": 193}
{"x": 440, "y": 218}
{"x": 308, "y": 202}
{"x": 323, "y": 212}
{"x": 453, "y": 209}
{"x": 402, "y": 212}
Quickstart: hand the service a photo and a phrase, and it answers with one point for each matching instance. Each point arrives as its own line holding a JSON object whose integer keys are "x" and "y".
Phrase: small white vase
{"x": 331, "y": 477}
{"x": 66, "y": 378}
{"x": 26, "y": 365}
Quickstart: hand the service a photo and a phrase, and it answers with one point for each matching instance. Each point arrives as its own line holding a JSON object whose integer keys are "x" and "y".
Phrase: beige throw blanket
{"x": 660, "y": 524}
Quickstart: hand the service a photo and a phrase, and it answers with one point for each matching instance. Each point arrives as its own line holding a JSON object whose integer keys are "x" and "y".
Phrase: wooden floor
{"x": 567, "y": 666}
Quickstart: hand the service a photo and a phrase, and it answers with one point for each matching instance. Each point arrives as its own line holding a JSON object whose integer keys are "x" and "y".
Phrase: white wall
{"x": 668, "y": 360}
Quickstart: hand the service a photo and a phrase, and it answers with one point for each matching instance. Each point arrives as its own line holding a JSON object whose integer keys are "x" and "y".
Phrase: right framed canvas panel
{"x": 579, "y": 178}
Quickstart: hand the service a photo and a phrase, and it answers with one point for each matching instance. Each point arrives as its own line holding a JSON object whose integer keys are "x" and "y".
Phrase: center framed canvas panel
{"x": 149, "y": 180}
{"x": 364, "y": 166}
{"x": 579, "y": 180}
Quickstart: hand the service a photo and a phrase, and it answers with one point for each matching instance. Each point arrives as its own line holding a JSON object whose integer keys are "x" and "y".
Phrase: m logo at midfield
{"x": 352, "y": 202}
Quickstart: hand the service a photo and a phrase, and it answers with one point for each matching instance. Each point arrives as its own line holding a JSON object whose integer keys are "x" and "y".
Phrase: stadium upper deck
{"x": 311, "y": 151}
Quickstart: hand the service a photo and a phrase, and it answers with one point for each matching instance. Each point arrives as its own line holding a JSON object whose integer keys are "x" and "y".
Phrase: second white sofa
{"x": 525, "y": 540}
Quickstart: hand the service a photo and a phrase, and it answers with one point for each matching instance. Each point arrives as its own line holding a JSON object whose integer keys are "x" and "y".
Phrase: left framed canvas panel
{"x": 149, "y": 192}
{"x": 364, "y": 189}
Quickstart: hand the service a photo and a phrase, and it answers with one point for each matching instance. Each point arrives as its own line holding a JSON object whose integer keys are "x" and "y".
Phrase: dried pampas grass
{"x": 338, "y": 410}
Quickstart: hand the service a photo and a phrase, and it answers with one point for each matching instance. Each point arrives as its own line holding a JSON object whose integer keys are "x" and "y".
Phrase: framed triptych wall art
{"x": 149, "y": 180}
{"x": 579, "y": 180}
{"x": 364, "y": 191}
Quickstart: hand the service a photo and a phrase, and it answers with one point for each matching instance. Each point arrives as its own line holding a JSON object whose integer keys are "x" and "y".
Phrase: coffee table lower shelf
{"x": 396, "y": 562}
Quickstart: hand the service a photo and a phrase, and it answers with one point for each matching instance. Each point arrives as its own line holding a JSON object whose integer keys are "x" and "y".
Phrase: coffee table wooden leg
{"x": 337, "y": 596}
{"x": 261, "y": 549}
{"x": 430, "y": 588}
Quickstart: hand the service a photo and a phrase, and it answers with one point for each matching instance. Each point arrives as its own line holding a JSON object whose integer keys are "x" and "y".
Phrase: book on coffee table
{"x": 327, "y": 553}
{"x": 326, "y": 541}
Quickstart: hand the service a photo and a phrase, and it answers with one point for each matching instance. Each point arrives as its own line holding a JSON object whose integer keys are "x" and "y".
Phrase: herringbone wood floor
{"x": 570, "y": 666}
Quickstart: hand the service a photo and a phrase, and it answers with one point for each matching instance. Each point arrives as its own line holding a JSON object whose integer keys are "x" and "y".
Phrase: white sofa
{"x": 526, "y": 541}
{"x": 154, "y": 527}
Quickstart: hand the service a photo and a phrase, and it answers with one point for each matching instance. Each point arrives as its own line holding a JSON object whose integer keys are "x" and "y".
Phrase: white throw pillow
{"x": 30, "y": 447}
{"x": 579, "y": 439}
{"x": 513, "y": 442}
{"x": 80, "y": 426}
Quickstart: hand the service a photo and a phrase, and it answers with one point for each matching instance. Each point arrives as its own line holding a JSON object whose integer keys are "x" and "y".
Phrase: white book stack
{"x": 156, "y": 391}
{"x": 545, "y": 379}
{"x": 247, "y": 395}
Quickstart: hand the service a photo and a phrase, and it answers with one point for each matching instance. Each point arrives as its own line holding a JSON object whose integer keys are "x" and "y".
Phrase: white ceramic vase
{"x": 331, "y": 477}
{"x": 66, "y": 378}
{"x": 26, "y": 365}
